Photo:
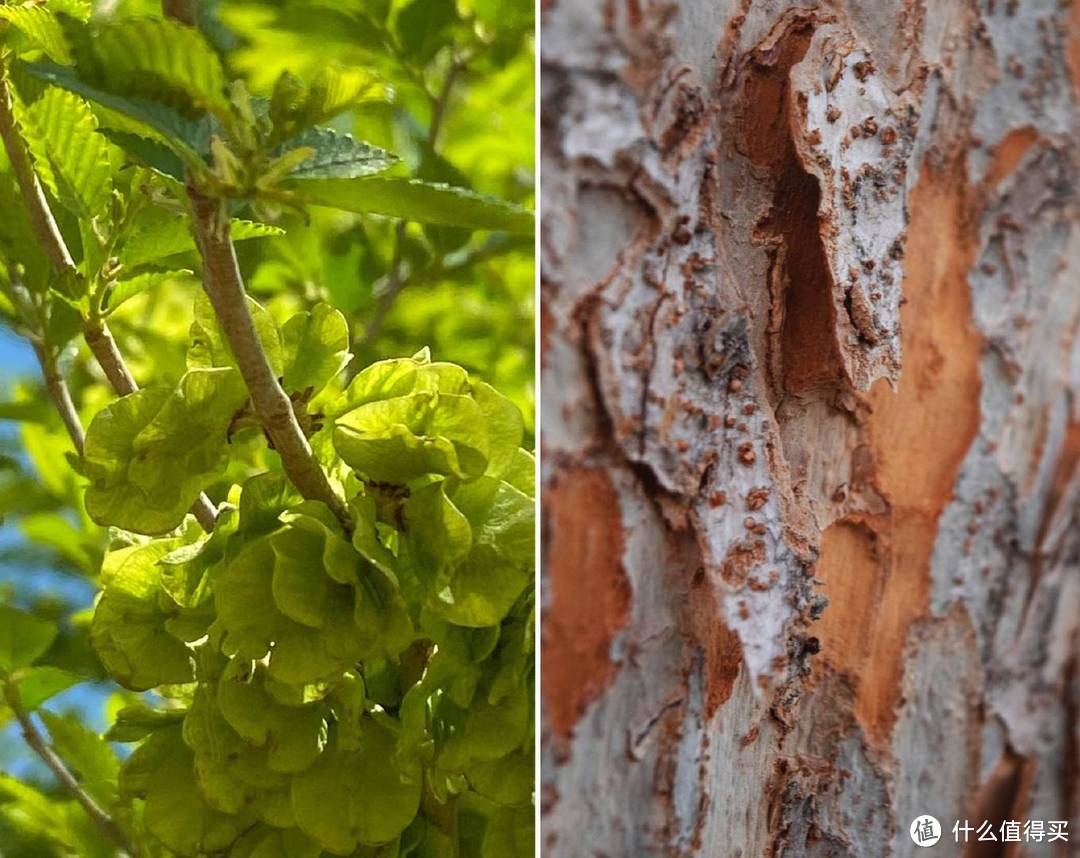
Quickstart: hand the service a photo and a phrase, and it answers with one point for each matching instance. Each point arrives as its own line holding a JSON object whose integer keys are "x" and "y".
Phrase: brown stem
{"x": 184, "y": 11}
{"x": 225, "y": 288}
{"x": 61, "y": 397}
{"x": 97, "y": 334}
{"x": 105, "y": 823}
{"x": 105, "y": 350}
{"x": 395, "y": 283}
{"x": 438, "y": 107}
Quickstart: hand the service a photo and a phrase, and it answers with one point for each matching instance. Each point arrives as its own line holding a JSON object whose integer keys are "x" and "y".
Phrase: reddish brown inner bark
{"x": 919, "y": 435}
{"x": 590, "y": 596}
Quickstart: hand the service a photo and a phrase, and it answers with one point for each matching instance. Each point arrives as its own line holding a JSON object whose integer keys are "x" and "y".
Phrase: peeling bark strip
{"x": 811, "y": 424}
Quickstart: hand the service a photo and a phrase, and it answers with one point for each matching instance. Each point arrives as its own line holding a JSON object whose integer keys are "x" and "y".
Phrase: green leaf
{"x": 482, "y": 589}
{"x": 80, "y": 10}
{"x": 485, "y": 731}
{"x": 230, "y": 773}
{"x": 242, "y": 230}
{"x": 293, "y": 735}
{"x": 41, "y": 29}
{"x": 316, "y": 347}
{"x": 128, "y": 630}
{"x": 402, "y": 439}
{"x": 507, "y": 780}
{"x": 296, "y": 105}
{"x": 86, "y": 752}
{"x": 336, "y": 156}
{"x": 209, "y": 348}
{"x": 65, "y": 134}
{"x": 150, "y": 454}
{"x": 156, "y": 59}
{"x": 511, "y": 833}
{"x": 304, "y": 656}
{"x": 500, "y": 14}
{"x": 400, "y": 420}
{"x": 144, "y": 151}
{"x": 126, "y": 289}
{"x": 187, "y": 138}
{"x": 18, "y": 240}
{"x": 173, "y": 236}
{"x": 36, "y": 813}
{"x": 176, "y": 812}
{"x": 358, "y": 797}
{"x": 23, "y": 638}
{"x": 262, "y": 500}
{"x": 412, "y": 199}
{"x": 56, "y": 531}
{"x": 439, "y": 536}
{"x": 184, "y": 572}
{"x": 38, "y": 684}
{"x": 244, "y": 599}
{"x": 264, "y": 842}
{"x": 505, "y": 427}
{"x": 24, "y": 412}
{"x": 388, "y": 379}
{"x": 522, "y": 472}
{"x": 423, "y": 26}
{"x": 501, "y": 517}
{"x": 480, "y": 578}
{"x": 300, "y": 587}
{"x": 139, "y": 721}
{"x": 138, "y": 770}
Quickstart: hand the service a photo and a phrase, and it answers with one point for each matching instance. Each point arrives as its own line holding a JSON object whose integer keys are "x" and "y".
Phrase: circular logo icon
{"x": 925, "y": 830}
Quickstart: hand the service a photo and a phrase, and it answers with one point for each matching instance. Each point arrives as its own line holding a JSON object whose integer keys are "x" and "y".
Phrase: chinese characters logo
{"x": 925, "y": 830}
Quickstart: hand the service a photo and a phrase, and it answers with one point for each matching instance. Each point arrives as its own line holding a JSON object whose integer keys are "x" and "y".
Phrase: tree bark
{"x": 811, "y": 425}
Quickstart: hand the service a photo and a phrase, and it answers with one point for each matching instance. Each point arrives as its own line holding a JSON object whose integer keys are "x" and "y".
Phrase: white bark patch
{"x": 856, "y": 137}
{"x": 1029, "y": 90}
{"x": 937, "y": 735}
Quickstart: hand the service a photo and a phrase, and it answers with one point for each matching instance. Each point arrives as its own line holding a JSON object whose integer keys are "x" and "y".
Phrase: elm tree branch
{"x": 225, "y": 287}
{"x": 97, "y": 334}
{"x": 107, "y": 353}
{"x": 105, "y": 823}
{"x": 61, "y": 396}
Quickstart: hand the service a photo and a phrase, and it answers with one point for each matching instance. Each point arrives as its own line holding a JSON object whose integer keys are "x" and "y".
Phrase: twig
{"x": 101, "y": 342}
{"x": 97, "y": 334}
{"x": 494, "y": 246}
{"x": 41, "y": 217}
{"x": 225, "y": 287}
{"x": 61, "y": 397}
{"x": 395, "y": 282}
{"x": 56, "y": 765}
{"x": 438, "y": 106}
